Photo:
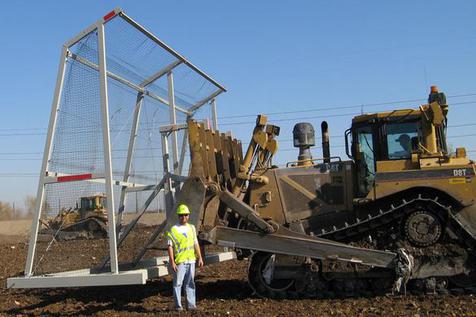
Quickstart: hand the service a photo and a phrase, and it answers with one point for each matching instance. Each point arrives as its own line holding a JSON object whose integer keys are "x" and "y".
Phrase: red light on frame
{"x": 109, "y": 16}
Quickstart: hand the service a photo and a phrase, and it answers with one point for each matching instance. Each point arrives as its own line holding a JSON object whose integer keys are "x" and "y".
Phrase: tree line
{"x": 10, "y": 211}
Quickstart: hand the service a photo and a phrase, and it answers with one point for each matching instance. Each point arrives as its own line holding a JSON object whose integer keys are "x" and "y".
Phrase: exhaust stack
{"x": 326, "y": 152}
{"x": 303, "y": 137}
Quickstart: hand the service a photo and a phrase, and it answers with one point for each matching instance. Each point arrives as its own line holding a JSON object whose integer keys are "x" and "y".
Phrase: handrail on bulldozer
{"x": 291, "y": 164}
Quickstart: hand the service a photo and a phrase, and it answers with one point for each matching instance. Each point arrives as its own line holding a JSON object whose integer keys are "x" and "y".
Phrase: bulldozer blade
{"x": 284, "y": 241}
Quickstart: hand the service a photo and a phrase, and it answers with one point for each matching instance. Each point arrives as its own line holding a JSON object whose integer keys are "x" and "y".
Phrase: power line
{"x": 137, "y": 173}
{"x": 316, "y": 108}
{"x": 153, "y": 157}
{"x": 352, "y": 114}
{"x": 158, "y": 148}
{"x": 320, "y": 108}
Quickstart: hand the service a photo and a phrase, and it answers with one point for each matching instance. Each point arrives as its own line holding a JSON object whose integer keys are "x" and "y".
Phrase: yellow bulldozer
{"x": 401, "y": 211}
{"x": 87, "y": 221}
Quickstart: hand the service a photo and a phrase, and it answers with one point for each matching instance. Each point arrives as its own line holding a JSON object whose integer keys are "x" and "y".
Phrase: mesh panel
{"x": 77, "y": 146}
{"x": 87, "y": 47}
{"x": 132, "y": 54}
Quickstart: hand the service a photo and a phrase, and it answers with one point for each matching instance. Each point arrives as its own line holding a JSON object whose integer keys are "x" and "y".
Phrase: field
{"x": 222, "y": 290}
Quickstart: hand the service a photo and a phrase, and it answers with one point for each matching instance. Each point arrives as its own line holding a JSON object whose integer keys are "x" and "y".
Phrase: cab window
{"x": 399, "y": 139}
{"x": 366, "y": 161}
{"x": 367, "y": 149}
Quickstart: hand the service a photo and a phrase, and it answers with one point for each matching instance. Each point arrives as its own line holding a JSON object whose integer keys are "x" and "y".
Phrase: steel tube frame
{"x": 161, "y": 73}
{"x": 181, "y": 59}
{"x": 88, "y": 30}
{"x": 127, "y": 82}
{"x": 132, "y": 224}
{"x": 130, "y": 153}
{"x": 213, "y": 108}
{"x": 169, "y": 49}
{"x": 168, "y": 182}
{"x": 46, "y": 157}
{"x": 107, "y": 149}
{"x": 182, "y": 152}
{"x": 101, "y": 68}
{"x": 143, "y": 209}
{"x": 52, "y": 178}
{"x": 173, "y": 128}
{"x": 204, "y": 101}
{"x": 135, "y": 127}
{"x": 173, "y": 120}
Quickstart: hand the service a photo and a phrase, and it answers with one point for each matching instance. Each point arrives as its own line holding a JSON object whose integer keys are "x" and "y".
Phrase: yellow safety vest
{"x": 183, "y": 244}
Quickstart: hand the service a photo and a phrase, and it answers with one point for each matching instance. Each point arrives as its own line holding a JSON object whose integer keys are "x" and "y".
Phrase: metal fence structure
{"x": 121, "y": 101}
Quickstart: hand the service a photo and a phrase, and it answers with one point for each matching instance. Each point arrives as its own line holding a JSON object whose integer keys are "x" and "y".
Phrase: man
{"x": 184, "y": 250}
{"x": 405, "y": 143}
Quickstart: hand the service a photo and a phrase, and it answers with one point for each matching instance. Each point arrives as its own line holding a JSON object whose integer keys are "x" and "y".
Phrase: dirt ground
{"x": 222, "y": 290}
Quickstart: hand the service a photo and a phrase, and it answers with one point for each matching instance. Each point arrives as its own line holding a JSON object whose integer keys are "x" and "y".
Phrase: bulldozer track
{"x": 364, "y": 286}
{"x": 351, "y": 286}
{"x": 380, "y": 218}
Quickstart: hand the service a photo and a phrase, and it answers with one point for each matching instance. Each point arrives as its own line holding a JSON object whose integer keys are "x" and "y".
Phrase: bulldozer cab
{"x": 93, "y": 203}
{"x": 400, "y": 136}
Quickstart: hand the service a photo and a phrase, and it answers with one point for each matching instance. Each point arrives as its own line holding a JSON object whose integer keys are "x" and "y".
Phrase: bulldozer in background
{"x": 400, "y": 212}
{"x": 86, "y": 221}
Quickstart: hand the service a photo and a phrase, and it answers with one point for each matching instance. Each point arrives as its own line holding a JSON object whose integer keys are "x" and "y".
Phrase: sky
{"x": 294, "y": 60}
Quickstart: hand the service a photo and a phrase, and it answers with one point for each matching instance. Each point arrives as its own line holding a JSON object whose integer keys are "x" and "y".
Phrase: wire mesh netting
{"x": 136, "y": 59}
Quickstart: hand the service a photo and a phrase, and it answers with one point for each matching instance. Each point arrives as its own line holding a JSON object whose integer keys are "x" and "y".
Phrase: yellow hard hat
{"x": 183, "y": 210}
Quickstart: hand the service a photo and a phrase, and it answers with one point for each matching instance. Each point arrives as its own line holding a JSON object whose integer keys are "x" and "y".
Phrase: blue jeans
{"x": 184, "y": 276}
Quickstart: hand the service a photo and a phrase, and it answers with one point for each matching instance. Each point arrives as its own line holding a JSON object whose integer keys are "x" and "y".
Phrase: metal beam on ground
{"x": 46, "y": 157}
{"x": 75, "y": 280}
{"x": 164, "y": 269}
{"x": 143, "y": 271}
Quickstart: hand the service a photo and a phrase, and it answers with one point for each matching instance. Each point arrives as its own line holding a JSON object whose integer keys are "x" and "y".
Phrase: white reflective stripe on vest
{"x": 185, "y": 249}
{"x": 174, "y": 239}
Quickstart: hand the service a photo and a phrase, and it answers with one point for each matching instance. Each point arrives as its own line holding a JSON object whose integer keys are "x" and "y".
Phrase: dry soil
{"x": 222, "y": 290}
